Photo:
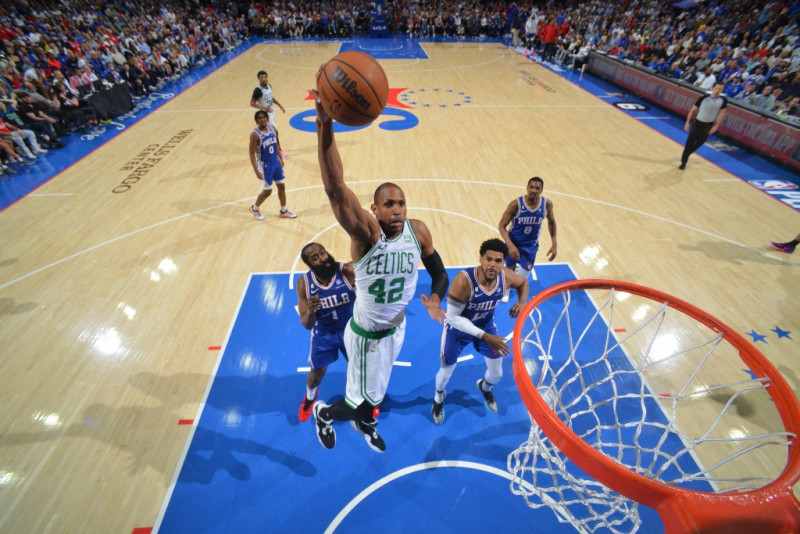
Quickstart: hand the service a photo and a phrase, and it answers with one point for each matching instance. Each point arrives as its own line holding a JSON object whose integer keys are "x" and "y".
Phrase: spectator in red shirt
{"x": 550, "y": 38}
{"x": 52, "y": 62}
{"x": 563, "y": 30}
{"x": 7, "y": 34}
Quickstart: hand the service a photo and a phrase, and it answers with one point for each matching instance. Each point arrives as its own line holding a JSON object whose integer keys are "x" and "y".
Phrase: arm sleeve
{"x": 256, "y": 94}
{"x": 454, "y": 319}
{"x": 439, "y": 279}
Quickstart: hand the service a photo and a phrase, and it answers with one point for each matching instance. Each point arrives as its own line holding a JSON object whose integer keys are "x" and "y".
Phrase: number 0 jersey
{"x": 336, "y": 299}
{"x": 386, "y": 278}
{"x": 268, "y": 155}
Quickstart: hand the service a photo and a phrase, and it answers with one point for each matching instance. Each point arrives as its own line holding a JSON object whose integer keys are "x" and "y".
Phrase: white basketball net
{"x": 705, "y": 423}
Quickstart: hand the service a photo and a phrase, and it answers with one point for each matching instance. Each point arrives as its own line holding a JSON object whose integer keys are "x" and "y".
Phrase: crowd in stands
{"x": 750, "y": 47}
{"x": 306, "y": 19}
{"x": 346, "y": 19}
{"x": 55, "y": 55}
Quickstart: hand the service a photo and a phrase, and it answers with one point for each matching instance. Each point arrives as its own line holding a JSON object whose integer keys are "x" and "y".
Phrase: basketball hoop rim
{"x": 637, "y": 487}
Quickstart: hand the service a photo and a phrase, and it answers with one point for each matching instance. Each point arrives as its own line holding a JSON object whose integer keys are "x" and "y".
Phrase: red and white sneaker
{"x": 256, "y": 212}
{"x": 286, "y": 214}
{"x": 304, "y": 412}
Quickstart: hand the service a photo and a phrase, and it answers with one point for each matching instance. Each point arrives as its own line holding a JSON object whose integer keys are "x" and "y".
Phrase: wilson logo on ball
{"x": 358, "y": 82}
{"x": 350, "y": 87}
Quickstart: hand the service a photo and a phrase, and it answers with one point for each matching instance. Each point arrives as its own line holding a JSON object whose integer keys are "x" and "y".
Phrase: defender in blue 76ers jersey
{"x": 267, "y": 162}
{"x": 525, "y": 216}
{"x": 471, "y": 301}
{"x": 325, "y": 296}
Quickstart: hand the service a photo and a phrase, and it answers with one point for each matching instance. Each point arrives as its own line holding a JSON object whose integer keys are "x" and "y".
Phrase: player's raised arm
{"x": 356, "y": 221}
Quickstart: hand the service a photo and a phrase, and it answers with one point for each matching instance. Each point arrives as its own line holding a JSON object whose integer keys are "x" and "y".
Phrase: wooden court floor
{"x": 99, "y": 289}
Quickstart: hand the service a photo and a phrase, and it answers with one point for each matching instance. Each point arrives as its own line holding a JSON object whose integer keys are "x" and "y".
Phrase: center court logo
{"x": 396, "y": 116}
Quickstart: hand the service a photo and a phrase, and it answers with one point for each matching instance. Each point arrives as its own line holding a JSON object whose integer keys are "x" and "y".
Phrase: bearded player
{"x": 325, "y": 295}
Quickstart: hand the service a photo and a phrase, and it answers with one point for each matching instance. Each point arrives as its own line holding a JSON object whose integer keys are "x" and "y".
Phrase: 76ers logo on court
{"x": 394, "y": 117}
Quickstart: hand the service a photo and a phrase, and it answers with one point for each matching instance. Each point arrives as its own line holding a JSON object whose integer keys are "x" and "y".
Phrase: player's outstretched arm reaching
{"x": 361, "y": 225}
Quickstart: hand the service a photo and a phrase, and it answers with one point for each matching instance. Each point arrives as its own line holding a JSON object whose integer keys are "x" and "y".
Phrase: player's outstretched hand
{"x": 551, "y": 254}
{"x": 498, "y": 343}
{"x": 514, "y": 310}
{"x": 434, "y": 307}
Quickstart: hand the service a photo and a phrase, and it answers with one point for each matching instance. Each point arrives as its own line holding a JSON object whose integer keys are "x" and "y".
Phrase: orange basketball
{"x": 353, "y": 88}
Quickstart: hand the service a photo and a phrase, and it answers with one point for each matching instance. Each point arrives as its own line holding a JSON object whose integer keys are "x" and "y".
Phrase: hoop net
{"x": 638, "y": 397}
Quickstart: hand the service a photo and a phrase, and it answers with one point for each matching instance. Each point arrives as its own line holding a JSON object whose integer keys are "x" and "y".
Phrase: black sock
{"x": 339, "y": 411}
{"x": 364, "y": 413}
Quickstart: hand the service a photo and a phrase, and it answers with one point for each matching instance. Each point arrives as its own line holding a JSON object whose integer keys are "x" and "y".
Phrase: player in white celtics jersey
{"x": 264, "y": 99}
{"x": 386, "y": 248}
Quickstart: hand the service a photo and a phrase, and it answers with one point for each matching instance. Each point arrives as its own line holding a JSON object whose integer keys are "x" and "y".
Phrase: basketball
{"x": 353, "y": 88}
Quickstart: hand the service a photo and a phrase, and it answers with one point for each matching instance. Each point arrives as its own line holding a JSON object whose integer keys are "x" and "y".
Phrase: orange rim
{"x": 681, "y": 510}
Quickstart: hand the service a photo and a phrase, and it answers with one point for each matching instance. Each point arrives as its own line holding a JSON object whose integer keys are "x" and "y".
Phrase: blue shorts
{"x": 272, "y": 173}
{"x": 527, "y": 257}
{"x": 325, "y": 348}
{"x": 456, "y": 340}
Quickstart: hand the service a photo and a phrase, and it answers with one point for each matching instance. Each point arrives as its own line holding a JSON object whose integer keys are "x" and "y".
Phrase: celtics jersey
{"x": 386, "y": 278}
{"x": 265, "y": 98}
